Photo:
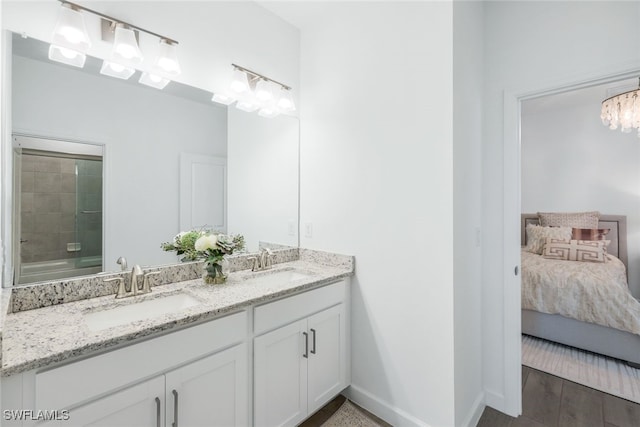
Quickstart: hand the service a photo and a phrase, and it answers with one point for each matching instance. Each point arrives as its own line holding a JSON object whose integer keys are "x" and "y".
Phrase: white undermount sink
{"x": 276, "y": 277}
{"x": 149, "y": 308}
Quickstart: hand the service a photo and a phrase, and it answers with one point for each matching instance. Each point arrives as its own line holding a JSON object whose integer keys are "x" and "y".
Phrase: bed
{"x": 606, "y": 340}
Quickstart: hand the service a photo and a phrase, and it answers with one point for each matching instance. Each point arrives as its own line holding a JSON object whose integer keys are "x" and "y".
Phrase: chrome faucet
{"x": 265, "y": 258}
{"x": 263, "y": 261}
{"x": 123, "y": 263}
{"x": 134, "y": 288}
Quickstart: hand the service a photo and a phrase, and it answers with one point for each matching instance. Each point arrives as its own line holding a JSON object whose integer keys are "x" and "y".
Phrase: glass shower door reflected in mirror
{"x": 58, "y": 195}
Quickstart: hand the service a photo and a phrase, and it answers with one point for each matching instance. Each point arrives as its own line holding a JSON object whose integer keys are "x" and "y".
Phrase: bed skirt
{"x": 587, "y": 336}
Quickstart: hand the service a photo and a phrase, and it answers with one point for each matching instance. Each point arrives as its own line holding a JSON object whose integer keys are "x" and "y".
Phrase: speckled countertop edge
{"x": 5, "y": 302}
{"x": 36, "y": 338}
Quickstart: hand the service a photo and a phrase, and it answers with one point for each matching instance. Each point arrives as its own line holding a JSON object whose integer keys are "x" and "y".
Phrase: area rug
{"x": 349, "y": 415}
{"x": 595, "y": 371}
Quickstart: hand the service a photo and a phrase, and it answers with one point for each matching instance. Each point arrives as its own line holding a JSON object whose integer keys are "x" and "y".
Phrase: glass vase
{"x": 216, "y": 272}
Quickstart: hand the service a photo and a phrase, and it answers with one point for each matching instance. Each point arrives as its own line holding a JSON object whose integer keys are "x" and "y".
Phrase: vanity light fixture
{"x": 221, "y": 98}
{"x": 167, "y": 59}
{"x": 114, "y": 69}
{"x": 254, "y": 91}
{"x": 153, "y": 80}
{"x": 70, "y": 41}
{"x": 622, "y": 110}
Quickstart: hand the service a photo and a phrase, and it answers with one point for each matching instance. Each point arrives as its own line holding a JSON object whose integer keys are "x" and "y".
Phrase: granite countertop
{"x": 36, "y": 338}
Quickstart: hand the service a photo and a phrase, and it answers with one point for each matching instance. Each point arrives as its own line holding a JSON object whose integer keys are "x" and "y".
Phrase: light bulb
{"x": 263, "y": 91}
{"x": 120, "y": 71}
{"x": 125, "y": 47}
{"x": 167, "y": 59}
{"x": 72, "y": 34}
{"x": 239, "y": 82}
{"x": 223, "y": 99}
{"x": 153, "y": 80}
{"x": 68, "y": 53}
{"x": 116, "y": 67}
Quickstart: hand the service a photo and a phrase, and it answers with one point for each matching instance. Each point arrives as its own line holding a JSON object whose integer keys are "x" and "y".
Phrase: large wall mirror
{"x": 158, "y": 162}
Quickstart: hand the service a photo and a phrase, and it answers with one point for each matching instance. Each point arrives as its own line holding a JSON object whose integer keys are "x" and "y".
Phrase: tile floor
{"x": 324, "y": 413}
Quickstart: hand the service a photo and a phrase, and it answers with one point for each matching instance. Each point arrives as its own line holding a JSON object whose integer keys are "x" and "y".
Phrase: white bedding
{"x": 587, "y": 291}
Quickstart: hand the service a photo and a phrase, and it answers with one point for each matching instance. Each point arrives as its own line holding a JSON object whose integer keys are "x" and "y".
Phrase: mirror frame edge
{"x": 6, "y": 156}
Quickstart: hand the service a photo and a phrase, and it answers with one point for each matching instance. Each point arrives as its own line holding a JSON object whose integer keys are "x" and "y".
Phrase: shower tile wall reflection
{"x": 61, "y": 216}
{"x": 48, "y": 207}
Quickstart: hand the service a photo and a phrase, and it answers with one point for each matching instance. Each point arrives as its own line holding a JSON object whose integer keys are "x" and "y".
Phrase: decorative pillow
{"x": 575, "y": 250}
{"x": 569, "y": 219}
{"x": 537, "y": 236}
{"x": 589, "y": 233}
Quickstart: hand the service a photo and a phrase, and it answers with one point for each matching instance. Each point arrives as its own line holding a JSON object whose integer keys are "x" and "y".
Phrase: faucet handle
{"x": 267, "y": 260}
{"x": 146, "y": 284}
{"x": 256, "y": 263}
{"x": 122, "y": 291}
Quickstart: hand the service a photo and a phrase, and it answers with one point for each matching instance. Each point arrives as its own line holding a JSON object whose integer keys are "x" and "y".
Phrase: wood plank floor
{"x": 550, "y": 401}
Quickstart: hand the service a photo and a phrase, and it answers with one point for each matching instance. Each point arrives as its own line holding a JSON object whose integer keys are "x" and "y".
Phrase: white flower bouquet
{"x": 205, "y": 245}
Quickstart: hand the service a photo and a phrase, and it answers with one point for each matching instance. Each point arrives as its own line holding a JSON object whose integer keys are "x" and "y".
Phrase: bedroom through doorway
{"x": 586, "y": 178}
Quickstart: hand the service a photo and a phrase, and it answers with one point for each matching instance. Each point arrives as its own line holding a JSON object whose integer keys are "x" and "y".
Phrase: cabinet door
{"x": 137, "y": 406}
{"x": 210, "y": 392}
{"x": 327, "y": 356}
{"x": 280, "y": 376}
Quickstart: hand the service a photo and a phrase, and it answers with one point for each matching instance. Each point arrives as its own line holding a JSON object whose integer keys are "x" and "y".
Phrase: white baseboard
{"x": 475, "y": 412}
{"x": 493, "y": 399}
{"x": 389, "y": 413}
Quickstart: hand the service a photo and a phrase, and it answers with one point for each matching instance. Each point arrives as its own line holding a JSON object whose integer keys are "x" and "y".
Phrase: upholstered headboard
{"x": 616, "y": 223}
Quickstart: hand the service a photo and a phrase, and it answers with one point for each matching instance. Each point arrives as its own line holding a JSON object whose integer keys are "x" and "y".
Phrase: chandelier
{"x": 622, "y": 110}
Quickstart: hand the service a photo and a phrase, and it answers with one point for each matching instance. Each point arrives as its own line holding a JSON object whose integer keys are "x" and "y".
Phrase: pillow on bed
{"x": 569, "y": 219}
{"x": 589, "y": 233}
{"x": 537, "y": 236}
{"x": 575, "y": 250}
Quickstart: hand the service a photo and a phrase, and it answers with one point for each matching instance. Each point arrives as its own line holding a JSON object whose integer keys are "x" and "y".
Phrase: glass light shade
{"x": 269, "y": 111}
{"x": 114, "y": 69}
{"x": 248, "y": 103}
{"x": 153, "y": 80}
{"x": 239, "y": 82}
{"x": 67, "y": 56}
{"x": 70, "y": 31}
{"x": 285, "y": 101}
{"x": 264, "y": 91}
{"x": 125, "y": 47}
{"x": 221, "y": 98}
{"x": 167, "y": 59}
{"x": 622, "y": 111}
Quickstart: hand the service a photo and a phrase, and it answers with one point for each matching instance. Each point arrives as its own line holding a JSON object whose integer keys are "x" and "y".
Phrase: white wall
{"x": 467, "y": 134}
{"x": 377, "y": 182}
{"x": 263, "y": 178}
{"x": 143, "y": 130}
{"x": 530, "y": 46}
{"x": 571, "y": 162}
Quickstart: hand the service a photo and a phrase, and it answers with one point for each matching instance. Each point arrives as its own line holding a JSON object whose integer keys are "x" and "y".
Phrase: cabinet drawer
{"x": 271, "y": 315}
{"x": 68, "y": 385}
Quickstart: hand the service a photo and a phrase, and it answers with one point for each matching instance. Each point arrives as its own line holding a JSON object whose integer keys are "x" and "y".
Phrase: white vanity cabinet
{"x": 209, "y": 392}
{"x": 302, "y": 363}
{"x": 197, "y": 376}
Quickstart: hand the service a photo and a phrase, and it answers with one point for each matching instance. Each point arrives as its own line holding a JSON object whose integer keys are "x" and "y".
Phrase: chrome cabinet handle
{"x": 313, "y": 331}
{"x": 175, "y": 409}
{"x": 158, "y": 412}
{"x": 306, "y": 345}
